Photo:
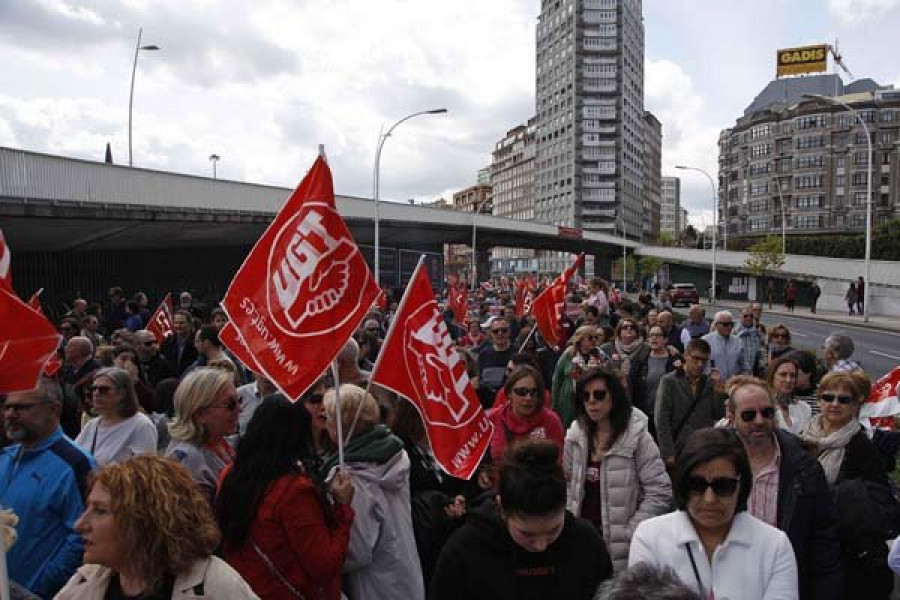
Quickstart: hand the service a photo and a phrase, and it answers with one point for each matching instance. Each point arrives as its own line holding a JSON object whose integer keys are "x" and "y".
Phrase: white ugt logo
{"x": 441, "y": 370}
{"x": 309, "y": 242}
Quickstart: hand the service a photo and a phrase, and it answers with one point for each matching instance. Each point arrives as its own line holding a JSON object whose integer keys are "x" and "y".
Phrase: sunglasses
{"x": 749, "y": 416}
{"x": 723, "y": 487}
{"x": 500, "y": 330}
{"x": 100, "y": 389}
{"x": 726, "y": 324}
{"x": 829, "y": 397}
{"x": 231, "y": 406}
{"x": 315, "y": 399}
{"x": 598, "y": 395}
{"x": 149, "y": 343}
{"x": 524, "y": 391}
{"x": 628, "y": 326}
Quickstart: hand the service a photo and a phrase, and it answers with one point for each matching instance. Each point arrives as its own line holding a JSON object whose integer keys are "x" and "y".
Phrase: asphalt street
{"x": 878, "y": 351}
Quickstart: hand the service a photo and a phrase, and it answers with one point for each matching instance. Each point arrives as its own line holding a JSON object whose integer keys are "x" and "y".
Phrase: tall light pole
{"x": 836, "y": 102}
{"x": 712, "y": 293}
{"x": 477, "y": 209}
{"x": 624, "y": 257}
{"x": 137, "y": 49}
{"x": 381, "y": 139}
{"x": 214, "y": 158}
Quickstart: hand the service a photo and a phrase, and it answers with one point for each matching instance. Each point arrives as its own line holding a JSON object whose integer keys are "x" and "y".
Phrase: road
{"x": 877, "y": 351}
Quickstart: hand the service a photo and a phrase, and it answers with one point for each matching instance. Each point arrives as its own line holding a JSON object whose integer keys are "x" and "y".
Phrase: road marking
{"x": 797, "y": 333}
{"x": 884, "y": 354}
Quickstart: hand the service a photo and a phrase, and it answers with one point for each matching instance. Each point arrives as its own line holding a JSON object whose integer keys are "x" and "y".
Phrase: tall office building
{"x": 802, "y": 162}
{"x": 670, "y": 207}
{"x": 589, "y": 105}
{"x": 512, "y": 185}
{"x": 652, "y": 176}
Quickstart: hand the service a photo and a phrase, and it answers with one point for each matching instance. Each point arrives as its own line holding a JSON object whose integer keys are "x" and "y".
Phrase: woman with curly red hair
{"x": 149, "y": 532}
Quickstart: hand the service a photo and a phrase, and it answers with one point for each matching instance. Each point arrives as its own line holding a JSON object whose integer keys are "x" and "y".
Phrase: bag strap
{"x": 687, "y": 546}
{"x": 296, "y": 593}
{"x": 677, "y": 430}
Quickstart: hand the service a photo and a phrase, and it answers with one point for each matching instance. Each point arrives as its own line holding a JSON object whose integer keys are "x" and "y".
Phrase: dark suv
{"x": 684, "y": 293}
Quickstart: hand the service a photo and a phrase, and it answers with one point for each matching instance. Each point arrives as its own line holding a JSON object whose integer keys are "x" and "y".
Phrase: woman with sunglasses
{"x": 615, "y": 475}
{"x": 581, "y": 352}
{"x": 119, "y": 431}
{"x": 711, "y": 542}
{"x": 779, "y": 343}
{"x": 524, "y": 414}
{"x": 628, "y": 354}
{"x": 283, "y": 529}
{"x": 206, "y": 413}
{"x": 791, "y": 415}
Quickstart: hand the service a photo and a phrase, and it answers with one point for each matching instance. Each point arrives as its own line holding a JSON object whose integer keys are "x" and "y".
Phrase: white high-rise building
{"x": 670, "y": 208}
{"x": 589, "y": 170}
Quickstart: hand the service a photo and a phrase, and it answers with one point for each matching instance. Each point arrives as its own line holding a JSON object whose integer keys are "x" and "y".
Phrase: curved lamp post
{"x": 137, "y": 49}
{"x": 712, "y": 185}
{"x": 381, "y": 139}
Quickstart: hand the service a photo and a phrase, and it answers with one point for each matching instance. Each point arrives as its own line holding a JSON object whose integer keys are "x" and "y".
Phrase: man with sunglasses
{"x": 789, "y": 489}
{"x": 43, "y": 478}
{"x": 153, "y": 366}
{"x": 493, "y": 358}
{"x": 726, "y": 352}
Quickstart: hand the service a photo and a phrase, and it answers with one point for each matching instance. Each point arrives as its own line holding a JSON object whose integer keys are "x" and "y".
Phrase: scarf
{"x": 625, "y": 351}
{"x": 830, "y": 447}
{"x": 377, "y": 445}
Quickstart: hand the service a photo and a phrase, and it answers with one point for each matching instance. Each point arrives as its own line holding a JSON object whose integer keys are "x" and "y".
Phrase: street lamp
{"x": 477, "y": 209}
{"x": 214, "y": 158}
{"x": 712, "y": 293}
{"x": 624, "y": 257}
{"x": 137, "y": 49}
{"x": 836, "y": 102}
{"x": 381, "y": 139}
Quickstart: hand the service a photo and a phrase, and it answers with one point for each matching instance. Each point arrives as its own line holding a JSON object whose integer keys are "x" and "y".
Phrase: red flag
{"x": 35, "y": 301}
{"x": 161, "y": 324}
{"x": 419, "y": 361}
{"x": 452, "y": 280}
{"x": 458, "y": 299}
{"x": 5, "y": 260}
{"x": 303, "y": 289}
{"x": 883, "y": 402}
{"x": 27, "y": 342}
{"x": 549, "y": 306}
{"x": 382, "y": 301}
{"x": 54, "y": 364}
{"x": 232, "y": 340}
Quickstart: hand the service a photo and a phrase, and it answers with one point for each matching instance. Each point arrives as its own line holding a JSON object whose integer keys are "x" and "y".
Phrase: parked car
{"x": 684, "y": 293}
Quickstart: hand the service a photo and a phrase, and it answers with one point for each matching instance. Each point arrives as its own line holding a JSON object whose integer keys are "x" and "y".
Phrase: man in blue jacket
{"x": 43, "y": 479}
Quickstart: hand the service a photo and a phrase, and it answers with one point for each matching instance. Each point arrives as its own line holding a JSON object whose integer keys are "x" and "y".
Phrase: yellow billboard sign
{"x": 808, "y": 59}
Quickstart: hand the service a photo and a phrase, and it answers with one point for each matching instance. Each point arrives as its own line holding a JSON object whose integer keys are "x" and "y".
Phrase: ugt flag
{"x": 419, "y": 362}
{"x": 161, "y": 324}
{"x": 883, "y": 402}
{"x": 27, "y": 342}
{"x": 303, "y": 289}
{"x": 550, "y": 304}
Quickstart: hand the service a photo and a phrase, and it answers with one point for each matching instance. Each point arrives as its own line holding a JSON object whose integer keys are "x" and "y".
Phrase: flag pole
{"x": 337, "y": 410}
{"x": 528, "y": 337}
{"x": 387, "y": 336}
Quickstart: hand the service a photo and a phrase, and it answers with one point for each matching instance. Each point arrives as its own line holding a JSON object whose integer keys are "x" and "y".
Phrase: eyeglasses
{"x": 231, "y": 406}
{"x": 655, "y": 334}
{"x": 749, "y": 415}
{"x": 597, "y": 395}
{"x": 500, "y": 330}
{"x": 524, "y": 391}
{"x": 723, "y": 487}
{"x": 100, "y": 389}
{"x": 315, "y": 399}
{"x": 829, "y": 397}
{"x": 20, "y": 408}
{"x": 628, "y": 326}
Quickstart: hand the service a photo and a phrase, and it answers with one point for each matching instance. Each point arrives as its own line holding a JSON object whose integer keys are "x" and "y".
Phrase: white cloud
{"x": 854, "y": 12}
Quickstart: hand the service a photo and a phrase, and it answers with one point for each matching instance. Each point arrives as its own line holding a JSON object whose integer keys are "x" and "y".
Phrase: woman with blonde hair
{"x": 582, "y": 353}
{"x": 119, "y": 431}
{"x": 206, "y": 413}
{"x": 149, "y": 533}
{"x": 382, "y": 561}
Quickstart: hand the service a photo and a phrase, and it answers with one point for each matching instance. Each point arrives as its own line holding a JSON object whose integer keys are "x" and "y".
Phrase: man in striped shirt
{"x": 789, "y": 488}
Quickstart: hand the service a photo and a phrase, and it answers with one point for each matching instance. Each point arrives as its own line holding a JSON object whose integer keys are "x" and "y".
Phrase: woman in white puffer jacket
{"x": 615, "y": 475}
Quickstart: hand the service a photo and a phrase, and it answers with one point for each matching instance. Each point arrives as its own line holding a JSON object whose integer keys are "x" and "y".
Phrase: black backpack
{"x": 869, "y": 517}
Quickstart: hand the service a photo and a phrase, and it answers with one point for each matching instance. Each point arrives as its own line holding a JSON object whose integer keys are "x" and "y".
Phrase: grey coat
{"x": 673, "y": 403}
{"x": 635, "y": 485}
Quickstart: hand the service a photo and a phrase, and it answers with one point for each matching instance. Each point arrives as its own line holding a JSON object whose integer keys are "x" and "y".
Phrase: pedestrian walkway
{"x": 881, "y": 323}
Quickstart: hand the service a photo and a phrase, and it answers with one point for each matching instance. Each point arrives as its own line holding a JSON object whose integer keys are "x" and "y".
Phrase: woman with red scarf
{"x": 524, "y": 415}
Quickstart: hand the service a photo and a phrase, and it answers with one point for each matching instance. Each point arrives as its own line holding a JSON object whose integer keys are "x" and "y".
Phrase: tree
{"x": 617, "y": 269}
{"x": 765, "y": 257}
{"x": 689, "y": 237}
{"x": 665, "y": 239}
{"x": 650, "y": 266}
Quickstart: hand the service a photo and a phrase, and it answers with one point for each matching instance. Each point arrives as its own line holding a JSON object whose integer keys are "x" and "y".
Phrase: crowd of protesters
{"x": 648, "y": 455}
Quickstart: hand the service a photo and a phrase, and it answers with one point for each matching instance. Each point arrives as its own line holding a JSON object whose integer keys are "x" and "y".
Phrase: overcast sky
{"x": 262, "y": 86}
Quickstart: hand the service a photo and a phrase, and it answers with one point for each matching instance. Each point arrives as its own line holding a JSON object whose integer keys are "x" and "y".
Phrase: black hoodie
{"x": 481, "y": 561}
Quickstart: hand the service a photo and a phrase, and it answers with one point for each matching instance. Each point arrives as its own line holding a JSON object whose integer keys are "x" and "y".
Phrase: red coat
{"x": 290, "y": 529}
